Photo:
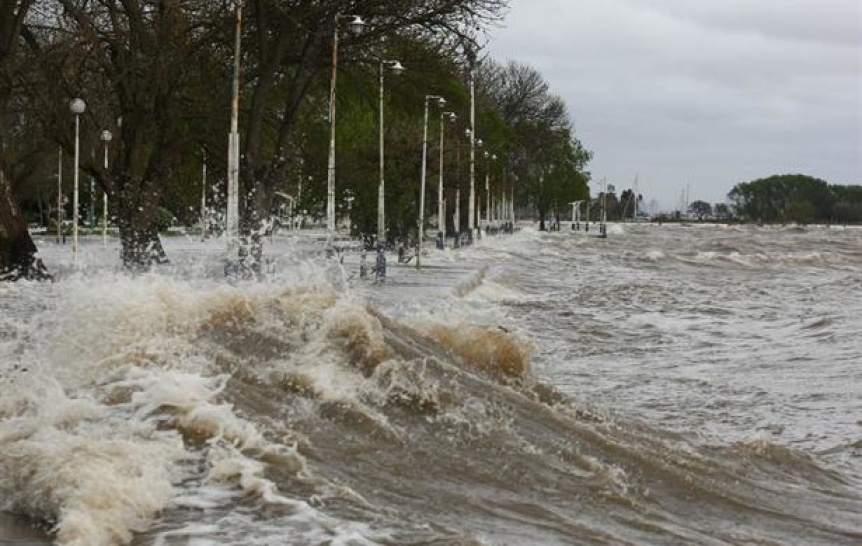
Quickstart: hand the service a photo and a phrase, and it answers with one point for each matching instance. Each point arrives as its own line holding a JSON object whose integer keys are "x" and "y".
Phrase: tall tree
{"x": 700, "y": 209}
{"x": 291, "y": 47}
{"x": 18, "y": 254}
{"x": 548, "y": 158}
{"x": 134, "y": 57}
{"x": 145, "y": 69}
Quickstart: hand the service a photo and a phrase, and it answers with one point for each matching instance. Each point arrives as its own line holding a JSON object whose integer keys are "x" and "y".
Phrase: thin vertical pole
{"x": 421, "y": 222}
{"x": 472, "y": 204}
{"x": 105, "y": 204}
{"x": 381, "y": 215}
{"x": 75, "y": 196}
{"x": 232, "y": 219}
{"x": 441, "y": 218}
{"x": 59, "y": 193}
{"x": 457, "y": 219}
{"x": 204, "y": 196}
{"x": 487, "y": 197}
{"x": 330, "y": 172}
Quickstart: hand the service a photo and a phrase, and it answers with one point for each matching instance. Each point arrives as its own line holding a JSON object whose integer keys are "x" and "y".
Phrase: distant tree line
{"x": 158, "y": 73}
{"x": 796, "y": 198}
{"x": 786, "y": 198}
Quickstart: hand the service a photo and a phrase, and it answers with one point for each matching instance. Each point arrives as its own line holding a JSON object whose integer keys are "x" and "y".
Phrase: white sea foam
{"x": 90, "y": 437}
{"x": 124, "y": 412}
{"x": 97, "y": 471}
{"x": 494, "y": 292}
{"x": 654, "y": 255}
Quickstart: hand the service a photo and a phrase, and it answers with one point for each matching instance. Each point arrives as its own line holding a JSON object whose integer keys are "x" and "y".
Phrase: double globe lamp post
{"x": 356, "y": 25}
{"x": 421, "y": 221}
{"x": 396, "y": 68}
{"x": 441, "y": 213}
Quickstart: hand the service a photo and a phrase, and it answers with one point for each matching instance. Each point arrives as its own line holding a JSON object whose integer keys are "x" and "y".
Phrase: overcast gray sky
{"x": 704, "y": 93}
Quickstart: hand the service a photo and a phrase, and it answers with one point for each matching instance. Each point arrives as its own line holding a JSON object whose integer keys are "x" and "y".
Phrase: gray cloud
{"x": 698, "y": 92}
{"x": 830, "y": 21}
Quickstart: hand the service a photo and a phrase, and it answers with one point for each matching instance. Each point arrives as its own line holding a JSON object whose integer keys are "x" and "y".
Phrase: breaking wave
{"x": 153, "y": 410}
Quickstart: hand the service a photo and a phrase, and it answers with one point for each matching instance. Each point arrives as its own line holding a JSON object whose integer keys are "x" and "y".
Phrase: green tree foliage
{"x": 722, "y": 211}
{"x": 427, "y": 73}
{"x": 796, "y": 198}
{"x": 547, "y": 158}
{"x": 287, "y": 92}
{"x": 130, "y": 62}
{"x": 700, "y": 209}
{"x": 158, "y": 73}
{"x": 848, "y": 203}
{"x": 627, "y": 202}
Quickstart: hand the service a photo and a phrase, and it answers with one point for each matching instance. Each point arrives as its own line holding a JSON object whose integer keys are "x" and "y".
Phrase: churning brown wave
{"x": 440, "y": 434}
{"x": 448, "y": 439}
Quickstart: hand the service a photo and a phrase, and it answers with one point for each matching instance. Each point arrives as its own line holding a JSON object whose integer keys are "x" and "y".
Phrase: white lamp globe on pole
{"x": 106, "y": 138}
{"x": 421, "y": 220}
{"x": 441, "y": 213}
{"x": 356, "y": 26}
{"x": 77, "y": 107}
{"x": 396, "y": 68}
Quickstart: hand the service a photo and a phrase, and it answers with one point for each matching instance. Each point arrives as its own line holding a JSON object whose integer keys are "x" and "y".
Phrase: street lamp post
{"x": 396, "y": 68}
{"x": 204, "y": 196}
{"x": 472, "y": 136}
{"x": 356, "y": 25}
{"x": 485, "y": 155}
{"x": 492, "y": 157}
{"x": 421, "y": 222}
{"x": 59, "y": 193}
{"x": 232, "y": 213}
{"x": 441, "y": 214}
{"x": 456, "y": 220}
{"x": 512, "y": 201}
{"x": 77, "y": 107}
{"x": 106, "y": 138}
{"x": 603, "y": 228}
{"x": 474, "y": 197}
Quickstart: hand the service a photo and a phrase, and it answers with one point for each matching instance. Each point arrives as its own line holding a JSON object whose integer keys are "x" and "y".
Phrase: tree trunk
{"x": 18, "y": 254}
{"x": 140, "y": 250}
{"x": 140, "y": 246}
